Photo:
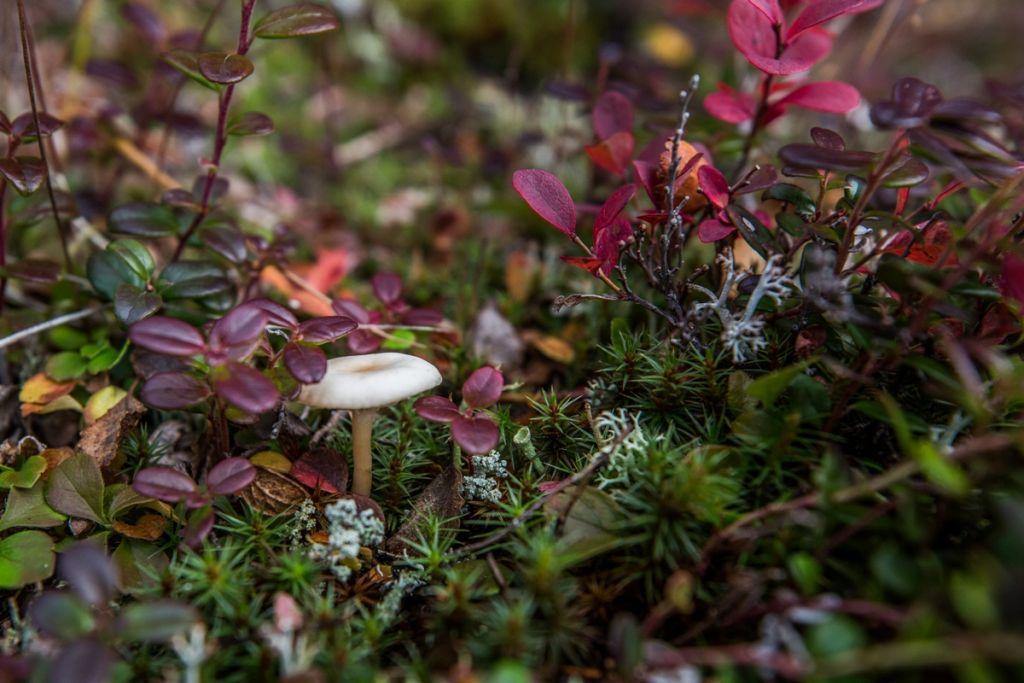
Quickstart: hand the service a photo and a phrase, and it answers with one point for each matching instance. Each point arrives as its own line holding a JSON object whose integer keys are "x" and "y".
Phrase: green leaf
{"x": 120, "y": 498}
{"x": 26, "y": 476}
{"x": 589, "y": 526}
{"x": 192, "y": 279}
{"x": 67, "y": 338}
{"x": 76, "y": 488}
{"x": 791, "y": 194}
{"x": 136, "y": 255}
{"x": 107, "y": 358}
{"x": 834, "y": 636}
{"x": 25, "y": 557}
{"x": 107, "y": 271}
{"x": 399, "y": 340}
{"x": 142, "y": 219}
{"x": 28, "y": 508}
{"x": 768, "y": 387}
{"x": 155, "y": 621}
{"x": 251, "y": 123}
{"x": 939, "y": 469}
{"x": 303, "y": 19}
{"x": 187, "y": 62}
{"x": 132, "y": 304}
{"x": 753, "y": 231}
{"x": 910, "y": 172}
{"x": 139, "y": 563}
{"x": 64, "y": 366}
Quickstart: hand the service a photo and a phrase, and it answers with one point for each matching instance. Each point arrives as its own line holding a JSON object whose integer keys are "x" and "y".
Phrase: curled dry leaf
{"x": 102, "y": 439}
{"x": 273, "y": 493}
{"x": 442, "y": 498}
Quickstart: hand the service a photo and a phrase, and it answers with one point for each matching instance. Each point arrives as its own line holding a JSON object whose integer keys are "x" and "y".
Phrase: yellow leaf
{"x": 62, "y": 403}
{"x": 669, "y": 45}
{"x": 149, "y": 527}
{"x": 102, "y": 401}
{"x": 556, "y": 349}
{"x": 272, "y": 461}
{"x": 41, "y": 389}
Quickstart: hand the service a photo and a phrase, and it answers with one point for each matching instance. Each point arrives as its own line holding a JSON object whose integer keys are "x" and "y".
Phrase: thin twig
{"x": 48, "y": 324}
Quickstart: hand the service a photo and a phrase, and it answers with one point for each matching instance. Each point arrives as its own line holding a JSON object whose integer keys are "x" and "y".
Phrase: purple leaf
{"x": 351, "y": 309}
{"x": 614, "y": 205}
{"x": 25, "y": 124}
{"x": 613, "y": 113}
{"x": 89, "y": 572}
{"x": 829, "y": 139}
{"x": 198, "y": 527}
{"x": 327, "y": 329}
{"x": 164, "y": 483}
{"x": 387, "y": 287}
{"x": 173, "y": 390}
{"x": 912, "y": 103}
{"x": 167, "y": 335}
{"x": 245, "y": 388}
{"x": 236, "y": 335}
{"x": 26, "y": 174}
{"x": 426, "y": 317}
{"x": 547, "y": 196}
{"x": 277, "y": 315}
{"x": 306, "y": 364}
{"x": 476, "y": 434}
{"x": 362, "y": 341}
{"x": 483, "y": 388}
{"x": 713, "y": 229}
{"x": 230, "y": 476}
{"x": 436, "y": 409}
{"x": 812, "y": 156}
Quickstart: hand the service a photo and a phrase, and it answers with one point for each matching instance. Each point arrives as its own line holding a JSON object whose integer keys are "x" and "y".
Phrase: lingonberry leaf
{"x": 714, "y": 229}
{"x": 363, "y": 341}
{"x": 613, "y": 113}
{"x": 911, "y": 105}
{"x": 436, "y": 409}
{"x": 483, "y": 388}
{"x": 321, "y": 469}
{"x": 251, "y": 123}
{"x": 164, "y": 483}
{"x": 26, "y": 174}
{"x": 303, "y": 19}
{"x": 819, "y": 12}
{"x": 547, "y": 196}
{"x": 426, "y": 317}
{"x": 307, "y": 364}
{"x": 224, "y": 68}
{"x": 244, "y": 387}
{"x": 236, "y": 335}
{"x": 187, "y": 62}
{"x": 230, "y": 476}
{"x": 614, "y": 153}
{"x": 173, "y": 390}
{"x": 327, "y": 329}
{"x": 827, "y": 96}
{"x": 227, "y": 241}
{"x": 814, "y": 157}
{"x": 24, "y": 126}
{"x": 714, "y": 186}
{"x": 143, "y": 219}
{"x": 754, "y": 35}
{"x": 351, "y": 309}
{"x": 192, "y": 279}
{"x": 132, "y": 304}
{"x": 277, "y": 315}
{"x": 198, "y": 527}
{"x": 730, "y": 105}
{"x": 165, "y": 335}
{"x": 829, "y": 139}
{"x": 476, "y": 434}
{"x": 387, "y": 287}
{"x": 614, "y": 205}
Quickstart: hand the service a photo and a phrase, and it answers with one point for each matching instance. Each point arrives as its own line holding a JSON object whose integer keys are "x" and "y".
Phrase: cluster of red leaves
{"x": 473, "y": 429}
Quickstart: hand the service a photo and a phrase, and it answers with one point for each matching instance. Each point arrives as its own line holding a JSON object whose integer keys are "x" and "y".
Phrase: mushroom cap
{"x": 370, "y": 381}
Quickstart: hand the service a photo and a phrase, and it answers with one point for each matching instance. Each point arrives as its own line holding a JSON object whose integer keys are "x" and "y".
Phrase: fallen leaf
{"x": 322, "y": 469}
{"x": 273, "y": 493}
{"x": 308, "y": 302}
{"x": 495, "y": 340}
{"x": 149, "y": 527}
{"x": 41, "y": 389}
{"x": 101, "y": 402}
{"x": 556, "y": 349}
{"x": 442, "y": 498}
{"x": 61, "y": 403}
{"x": 101, "y": 440}
{"x": 272, "y": 460}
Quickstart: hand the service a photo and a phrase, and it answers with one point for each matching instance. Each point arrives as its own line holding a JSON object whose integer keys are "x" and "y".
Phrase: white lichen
{"x": 483, "y": 484}
{"x": 621, "y": 428}
{"x": 348, "y": 531}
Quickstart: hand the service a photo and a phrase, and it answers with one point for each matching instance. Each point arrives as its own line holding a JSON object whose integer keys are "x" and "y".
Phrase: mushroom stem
{"x": 362, "y": 456}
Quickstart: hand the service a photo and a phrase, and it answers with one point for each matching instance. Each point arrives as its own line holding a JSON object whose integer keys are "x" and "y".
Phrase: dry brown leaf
{"x": 442, "y": 498}
{"x": 273, "y": 493}
{"x": 101, "y": 440}
{"x": 556, "y": 349}
{"x": 149, "y": 527}
{"x": 41, "y": 389}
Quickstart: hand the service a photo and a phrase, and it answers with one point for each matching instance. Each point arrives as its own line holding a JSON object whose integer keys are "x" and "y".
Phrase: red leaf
{"x": 614, "y": 205}
{"x": 483, "y": 388}
{"x": 436, "y": 409}
{"x": 821, "y": 11}
{"x": 327, "y": 329}
{"x": 1011, "y": 282}
{"x": 237, "y": 334}
{"x": 306, "y": 364}
{"x": 164, "y": 483}
{"x": 173, "y": 390}
{"x": 167, "y": 335}
{"x": 770, "y": 9}
{"x": 321, "y": 469}
{"x": 230, "y": 476}
{"x": 587, "y": 263}
{"x": 613, "y": 113}
{"x": 730, "y": 105}
{"x": 828, "y": 96}
{"x": 245, "y": 388}
{"x": 613, "y": 154}
{"x": 387, "y": 287}
{"x": 547, "y": 196}
{"x": 607, "y": 244}
{"x": 753, "y": 34}
{"x": 647, "y": 174}
{"x": 714, "y": 186}
{"x": 476, "y": 434}
{"x": 712, "y": 230}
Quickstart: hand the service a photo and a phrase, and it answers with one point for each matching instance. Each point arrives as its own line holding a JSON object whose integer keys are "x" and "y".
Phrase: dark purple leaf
{"x": 226, "y": 241}
{"x": 436, "y": 409}
{"x": 351, "y": 309}
{"x": 173, "y": 390}
{"x": 762, "y": 178}
{"x": 483, "y": 388}
{"x": 224, "y": 67}
{"x": 812, "y": 156}
{"x": 547, "y": 196}
{"x": 236, "y": 335}
{"x": 426, "y": 317}
{"x": 362, "y": 341}
{"x": 83, "y": 661}
{"x": 912, "y": 103}
{"x": 198, "y": 527}
{"x": 387, "y": 287}
{"x": 89, "y": 572}
{"x": 167, "y": 335}
{"x": 251, "y": 123}
{"x": 327, "y": 329}
{"x": 322, "y": 469}
{"x": 829, "y": 139}
{"x": 245, "y": 388}
{"x": 277, "y": 315}
{"x": 476, "y": 434}
{"x": 26, "y": 174}
{"x": 33, "y": 270}
{"x": 614, "y": 205}
{"x": 303, "y": 19}
{"x": 613, "y": 113}
{"x": 908, "y": 172}
{"x": 307, "y": 364}
{"x": 164, "y": 483}
{"x": 25, "y": 125}
{"x": 230, "y": 476}
{"x": 132, "y": 304}
{"x": 146, "y": 20}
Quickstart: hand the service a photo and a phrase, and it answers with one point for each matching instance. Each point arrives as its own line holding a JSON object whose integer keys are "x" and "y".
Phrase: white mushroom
{"x": 363, "y": 385}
